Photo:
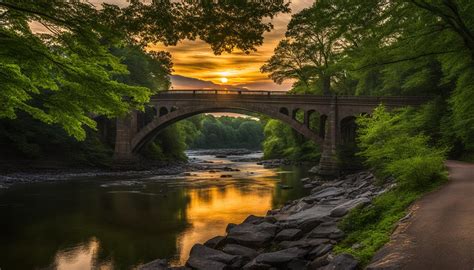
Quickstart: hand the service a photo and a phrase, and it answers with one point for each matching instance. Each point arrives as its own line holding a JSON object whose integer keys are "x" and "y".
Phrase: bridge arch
{"x": 173, "y": 106}
{"x": 161, "y": 121}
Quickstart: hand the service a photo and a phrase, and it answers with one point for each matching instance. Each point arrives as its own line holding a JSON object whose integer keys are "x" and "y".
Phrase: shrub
{"x": 392, "y": 146}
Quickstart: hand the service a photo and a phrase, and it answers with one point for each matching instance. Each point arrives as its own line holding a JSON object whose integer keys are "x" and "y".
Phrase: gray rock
{"x": 201, "y": 264}
{"x": 366, "y": 194}
{"x": 235, "y": 249}
{"x": 270, "y": 219}
{"x": 281, "y": 257}
{"x": 297, "y": 264}
{"x": 251, "y": 235}
{"x": 305, "y": 180}
{"x": 159, "y": 264}
{"x": 288, "y": 234}
{"x": 319, "y": 262}
{"x": 314, "y": 169}
{"x": 254, "y": 219}
{"x": 308, "y": 186}
{"x": 320, "y": 250}
{"x": 309, "y": 224}
{"x": 253, "y": 265}
{"x": 325, "y": 230}
{"x": 215, "y": 242}
{"x": 330, "y": 191}
{"x": 344, "y": 208}
{"x": 306, "y": 243}
{"x": 316, "y": 211}
{"x": 342, "y": 262}
{"x": 229, "y": 227}
{"x": 202, "y": 257}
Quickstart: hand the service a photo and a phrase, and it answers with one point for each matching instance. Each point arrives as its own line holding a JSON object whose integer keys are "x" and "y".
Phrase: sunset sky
{"x": 195, "y": 65}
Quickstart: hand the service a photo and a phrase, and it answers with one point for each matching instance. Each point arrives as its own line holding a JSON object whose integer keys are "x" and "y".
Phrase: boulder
{"x": 327, "y": 192}
{"x": 253, "y": 265}
{"x": 308, "y": 186}
{"x": 229, "y": 227}
{"x": 309, "y": 224}
{"x": 202, "y": 257}
{"x": 201, "y": 264}
{"x": 281, "y": 257}
{"x": 319, "y": 262}
{"x": 297, "y": 264}
{"x": 306, "y": 243}
{"x": 320, "y": 250}
{"x": 215, "y": 242}
{"x": 305, "y": 180}
{"x": 239, "y": 250}
{"x": 342, "y": 262}
{"x": 288, "y": 234}
{"x": 344, "y": 208}
{"x": 312, "y": 213}
{"x": 254, "y": 219}
{"x": 325, "y": 230}
{"x": 251, "y": 235}
{"x": 314, "y": 169}
{"x": 159, "y": 264}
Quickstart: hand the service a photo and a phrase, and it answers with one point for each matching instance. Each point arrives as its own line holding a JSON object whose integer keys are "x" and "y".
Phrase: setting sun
{"x": 224, "y": 80}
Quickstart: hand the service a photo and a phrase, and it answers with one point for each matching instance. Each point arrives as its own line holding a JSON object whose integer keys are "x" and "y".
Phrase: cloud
{"x": 195, "y": 59}
{"x": 186, "y": 83}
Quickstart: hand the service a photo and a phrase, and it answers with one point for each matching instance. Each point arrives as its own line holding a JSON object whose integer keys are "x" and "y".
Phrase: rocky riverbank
{"x": 300, "y": 235}
{"x": 8, "y": 179}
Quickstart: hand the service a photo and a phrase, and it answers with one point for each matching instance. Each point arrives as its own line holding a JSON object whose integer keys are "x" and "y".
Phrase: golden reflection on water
{"x": 213, "y": 203}
{"x": 211, "y": 209}
{"x": 210, "y": 215}
{"x": 81, "y": 257}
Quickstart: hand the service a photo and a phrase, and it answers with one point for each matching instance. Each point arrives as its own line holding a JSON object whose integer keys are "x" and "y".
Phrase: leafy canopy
{"x": 65, "y": 74}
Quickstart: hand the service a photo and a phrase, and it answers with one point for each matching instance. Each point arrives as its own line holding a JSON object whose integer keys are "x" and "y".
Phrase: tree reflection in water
{"x": 80, "y": 225}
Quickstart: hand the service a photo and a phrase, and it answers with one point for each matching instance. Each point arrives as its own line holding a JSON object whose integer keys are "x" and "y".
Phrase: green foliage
{"x": 385, "y": 48}
{"x": 228, "y": 132}
{"x": 169, "y": 145}
{"x": 391, "y": 145}
{"x": 281, "y": 141}
{"x": 62, "y": 72}
{"x": 371, "y": 226}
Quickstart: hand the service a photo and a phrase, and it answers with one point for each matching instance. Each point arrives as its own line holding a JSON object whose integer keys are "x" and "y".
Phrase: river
{"x": 121, "y": 222}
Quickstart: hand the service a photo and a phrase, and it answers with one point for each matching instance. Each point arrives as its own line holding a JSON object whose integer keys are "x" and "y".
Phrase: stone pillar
{"x": 328, "y": 164}
{"x": 126, "y": 129}
{"x": 306, "y": 119}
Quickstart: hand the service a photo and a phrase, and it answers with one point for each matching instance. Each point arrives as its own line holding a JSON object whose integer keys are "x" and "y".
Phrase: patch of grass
{"x": 372, "y": 226}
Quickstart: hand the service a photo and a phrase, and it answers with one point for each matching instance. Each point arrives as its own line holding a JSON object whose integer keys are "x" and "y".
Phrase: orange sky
{"x": 195, "y": 59}
{"x": 195, "y": 65}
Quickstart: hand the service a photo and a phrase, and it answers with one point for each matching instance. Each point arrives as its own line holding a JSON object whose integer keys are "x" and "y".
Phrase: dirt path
{"x": 440, "y": 233}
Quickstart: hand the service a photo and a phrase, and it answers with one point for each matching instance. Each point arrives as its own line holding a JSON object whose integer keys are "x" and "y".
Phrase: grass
{"x": 372, "y": 226}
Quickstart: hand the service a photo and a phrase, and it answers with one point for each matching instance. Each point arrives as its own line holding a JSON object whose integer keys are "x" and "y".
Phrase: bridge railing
{"x": 408, "y": 100}
{"x": 223, "y": 92}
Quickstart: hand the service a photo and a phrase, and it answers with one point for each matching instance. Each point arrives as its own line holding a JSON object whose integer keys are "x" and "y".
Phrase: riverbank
{"x": 299, "y": 235}
{"x": 17, "y": 175}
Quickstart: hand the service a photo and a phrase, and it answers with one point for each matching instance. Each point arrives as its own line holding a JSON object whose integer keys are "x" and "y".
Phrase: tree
{"x": 66, "y": 74}
{"x": 311, "y": 49}
{"x": 288, "y": 62}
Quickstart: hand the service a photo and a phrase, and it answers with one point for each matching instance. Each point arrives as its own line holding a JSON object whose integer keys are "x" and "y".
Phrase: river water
{"x": 121, "y": 222}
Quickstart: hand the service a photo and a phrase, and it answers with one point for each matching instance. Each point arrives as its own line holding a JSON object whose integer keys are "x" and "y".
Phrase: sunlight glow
{"x": 224, "y": 80}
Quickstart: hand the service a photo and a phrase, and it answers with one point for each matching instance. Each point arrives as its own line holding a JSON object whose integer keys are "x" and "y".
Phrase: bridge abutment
{"x": 328, "y": 165}
{"x": 123, "y": 153}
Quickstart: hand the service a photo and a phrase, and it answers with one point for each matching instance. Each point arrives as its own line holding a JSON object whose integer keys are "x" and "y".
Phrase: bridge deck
{"x": 282, "y": 96}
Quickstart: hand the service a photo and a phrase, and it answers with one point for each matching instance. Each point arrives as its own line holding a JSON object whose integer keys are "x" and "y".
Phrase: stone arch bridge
{"x": 173, "y": 106}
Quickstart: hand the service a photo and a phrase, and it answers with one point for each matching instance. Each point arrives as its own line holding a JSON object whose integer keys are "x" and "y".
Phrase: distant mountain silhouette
{"x": 182, "y": 82}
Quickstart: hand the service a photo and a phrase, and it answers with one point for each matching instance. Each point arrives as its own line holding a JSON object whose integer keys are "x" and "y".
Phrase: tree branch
{"x": 403, "y": 60}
